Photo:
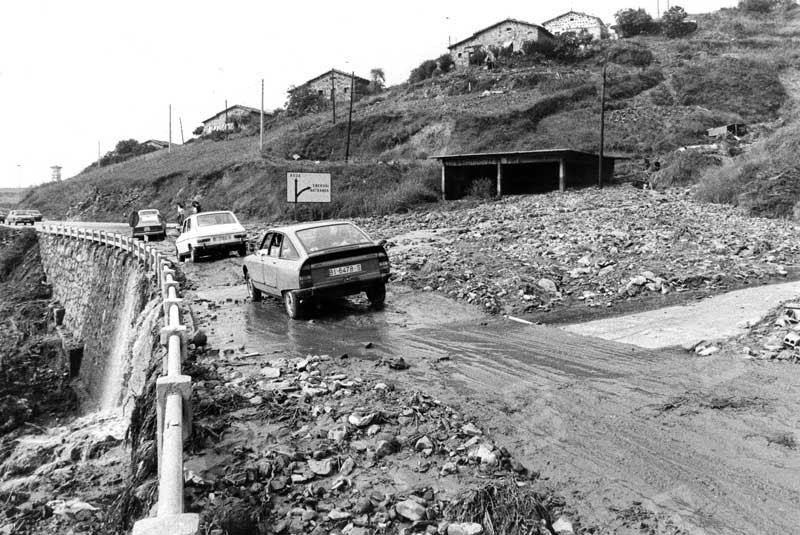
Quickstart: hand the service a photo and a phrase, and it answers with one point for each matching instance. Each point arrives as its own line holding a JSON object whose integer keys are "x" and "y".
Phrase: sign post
{"x": 307, "y": 188}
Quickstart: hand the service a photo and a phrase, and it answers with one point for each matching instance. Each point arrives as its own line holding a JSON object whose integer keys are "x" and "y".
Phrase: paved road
{"x": 717, "y": 317}
{"x": 630, "y": 436}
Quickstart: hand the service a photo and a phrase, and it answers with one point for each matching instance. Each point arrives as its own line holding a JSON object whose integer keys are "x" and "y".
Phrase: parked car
{"x": 210, "y": 233}
{"x": 15, "y": 217}
{"x": 148, "y": 224}
{"x": 301, "y": 263}
{"x": 3, "y": 214}
{"x": 37, "y": 215}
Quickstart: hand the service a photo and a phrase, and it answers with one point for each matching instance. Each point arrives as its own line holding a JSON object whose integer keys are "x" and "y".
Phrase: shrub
{"x": 632, "y": 22}
{"x": 424, "y": 71}
{"x": 683, "y": 167}
{"x": 445, "y": 62}
{"x": 531, "y": 48}
{"x": 635, "y": 55}
{"x": 303, "y": 100}
{"x": 672, "y": 22}
{"x": 757, "y": 6}
{"x": 198, "y": 131}
{"x": 482, "y": 188}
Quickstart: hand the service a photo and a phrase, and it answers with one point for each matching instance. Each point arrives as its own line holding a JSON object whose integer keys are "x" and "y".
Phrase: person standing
{"x": 181, "y": 213}
{"x": 196, "y": 207}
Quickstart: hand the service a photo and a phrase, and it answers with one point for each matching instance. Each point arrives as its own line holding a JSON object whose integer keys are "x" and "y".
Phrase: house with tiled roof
{"x": 506, "y": 34}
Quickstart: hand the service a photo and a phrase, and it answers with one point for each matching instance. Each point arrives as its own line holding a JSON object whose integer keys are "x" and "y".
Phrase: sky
{"x": 78, "y": 73}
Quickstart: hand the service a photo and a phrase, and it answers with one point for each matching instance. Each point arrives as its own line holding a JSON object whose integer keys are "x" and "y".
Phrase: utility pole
{"x": 169, "y": 146}
{"x": 98, "y": 154}
{"x": 350, "y": 115}
{"x": 602, "y": 127}
{"x": 333, "y": 94}
{"x": 180, "y": 121}
{"x": 261, "y": 136}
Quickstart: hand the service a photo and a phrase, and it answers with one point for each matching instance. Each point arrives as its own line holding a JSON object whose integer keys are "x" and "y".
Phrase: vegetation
{"x": 124, "y": 150}
{"x": 682, "y": 168}
{"x": 632, "y": 22}
{"x": 302, "y": 100}
{"x": 673, "y": 22}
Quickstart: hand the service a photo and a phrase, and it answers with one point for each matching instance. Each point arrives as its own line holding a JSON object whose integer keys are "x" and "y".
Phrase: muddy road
{"x": 640, "y": 441}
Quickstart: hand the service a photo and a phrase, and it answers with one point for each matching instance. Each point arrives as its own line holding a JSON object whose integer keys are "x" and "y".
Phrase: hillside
{"x": 735, "y": 68}
{"x": 11, "y": 196}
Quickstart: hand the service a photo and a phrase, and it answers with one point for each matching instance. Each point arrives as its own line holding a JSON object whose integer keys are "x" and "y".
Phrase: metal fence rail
{"x": 173, "y": 389}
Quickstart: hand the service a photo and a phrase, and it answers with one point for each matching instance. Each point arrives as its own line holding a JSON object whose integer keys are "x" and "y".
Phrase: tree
{"x": 377, "y": 80}
{"x": 424, "y": 71}
{"x": 632, "y": 22}
{"x": 445, "y": 62}
{"x": 126, "y": 146}
{"x": 757, "y": 6}
{"x": 568, "y": 45}
{"x": 303, "y": 100}
{"x": 672, "y": 22}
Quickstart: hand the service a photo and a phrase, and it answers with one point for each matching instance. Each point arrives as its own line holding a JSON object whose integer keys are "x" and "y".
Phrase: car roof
{"x": 215, "y": 212}
{"x": 312, "y": 224}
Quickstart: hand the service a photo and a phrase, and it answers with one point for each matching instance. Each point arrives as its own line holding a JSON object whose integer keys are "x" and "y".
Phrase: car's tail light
{"x": 305, "y": 277}
{"x": 383, "y": 262}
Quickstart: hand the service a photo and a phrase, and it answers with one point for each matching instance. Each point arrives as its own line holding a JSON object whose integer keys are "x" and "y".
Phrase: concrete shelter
{"x": 517, "y": 172}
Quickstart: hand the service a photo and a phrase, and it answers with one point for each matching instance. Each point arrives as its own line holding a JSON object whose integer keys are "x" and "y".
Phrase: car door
{"x": 259, "y": 259}
{"x": 288, "y": 266}
{"x": 271, "y": 262}
{"x": 182, "y": 243}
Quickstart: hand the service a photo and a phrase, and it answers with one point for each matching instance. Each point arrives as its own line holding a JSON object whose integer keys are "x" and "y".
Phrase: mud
{"x": 638, "y": 441}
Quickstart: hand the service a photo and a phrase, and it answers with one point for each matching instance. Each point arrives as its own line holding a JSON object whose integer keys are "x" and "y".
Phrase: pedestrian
{"x": 181, "y": 213}
{"x": 196, "y": 207}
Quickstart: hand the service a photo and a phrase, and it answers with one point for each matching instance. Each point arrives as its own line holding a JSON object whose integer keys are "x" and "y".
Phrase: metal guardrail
{"x": 173, "y": 389}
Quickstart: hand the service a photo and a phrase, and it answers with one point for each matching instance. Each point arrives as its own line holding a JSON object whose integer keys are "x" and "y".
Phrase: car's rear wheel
{"x": 252, "y": 291}
{"x": 377, "y": 294}
{"x": 292, "y": 304}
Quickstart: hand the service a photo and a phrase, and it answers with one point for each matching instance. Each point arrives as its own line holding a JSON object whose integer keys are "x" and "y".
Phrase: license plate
{"x": 220, "y": 238}
{"x": 148, "y": 229}
{"x": 344, "y": 270}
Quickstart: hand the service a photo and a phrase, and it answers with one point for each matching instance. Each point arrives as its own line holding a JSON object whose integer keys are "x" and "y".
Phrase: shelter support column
{"x": 562, "y": 180}
{"x": 499, "y": 179}
{"x": 444, "y": 182}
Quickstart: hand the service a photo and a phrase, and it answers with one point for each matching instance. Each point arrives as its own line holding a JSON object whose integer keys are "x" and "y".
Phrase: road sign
{"x": 308, "y": 187}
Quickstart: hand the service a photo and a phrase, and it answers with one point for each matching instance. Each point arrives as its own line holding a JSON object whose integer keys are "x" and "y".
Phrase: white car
{"x": 210, "y": 233}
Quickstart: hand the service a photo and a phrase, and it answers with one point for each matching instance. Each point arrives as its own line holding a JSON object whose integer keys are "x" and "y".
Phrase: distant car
{"x": 37, "y": 215}
{"x": 301, "y": 263}
{"x": 148, "y": 224}
{"x": 210, "y": 233}
{"x": 15, "y": 217}
{"x": 3, "y": 214}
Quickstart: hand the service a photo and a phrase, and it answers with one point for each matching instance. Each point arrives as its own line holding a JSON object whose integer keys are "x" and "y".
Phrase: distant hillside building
{"x": 577, "y": 22}
{"x": 155, "y": 144}
{"x": 230, "y": 118}
{"x": 336, "y": 80}
{"x": 504, "y": 34}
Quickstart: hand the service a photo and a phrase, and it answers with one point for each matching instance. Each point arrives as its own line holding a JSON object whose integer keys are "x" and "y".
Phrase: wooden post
{"x": 261, "y": 135}
{"x": 562, "y": 176}
{"x": 180, "y": 121}
{"x": 333, "y": 94}
{"x": 499, "y": 179}
{"x": 444, "y": 181}
{"x": 602, "y": 128}
{"x": 169, "y": 142}
{"x": 226, "y": 119}
{"x": 350, "y": 116}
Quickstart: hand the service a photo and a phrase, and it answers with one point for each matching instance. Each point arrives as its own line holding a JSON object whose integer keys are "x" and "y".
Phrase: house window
{"x": 509, "y": 29}
{"x": 319, "y": 92}
{"x": 345, "y": 90}
{"x": 459, "y": 54}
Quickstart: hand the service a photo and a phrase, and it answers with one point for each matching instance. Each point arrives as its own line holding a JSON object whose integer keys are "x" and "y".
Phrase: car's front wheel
{"x": 292, "y": 304}
{"x": 252, "y": 291}
{"x": 377, "y": 294}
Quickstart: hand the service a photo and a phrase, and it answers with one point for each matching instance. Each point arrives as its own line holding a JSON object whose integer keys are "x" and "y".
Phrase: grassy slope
{"x": 728, "y": 71}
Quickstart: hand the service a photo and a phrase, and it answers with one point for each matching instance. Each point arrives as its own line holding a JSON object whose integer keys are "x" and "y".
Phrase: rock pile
{"x": 583, "y": 248}
{"x": 312, "y": 449}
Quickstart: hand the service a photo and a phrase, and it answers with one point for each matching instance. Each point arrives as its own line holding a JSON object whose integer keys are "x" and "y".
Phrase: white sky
{"x": 76, "y": 72}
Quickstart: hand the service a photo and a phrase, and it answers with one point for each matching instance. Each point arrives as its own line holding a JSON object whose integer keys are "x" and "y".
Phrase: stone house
{"x": 577, "y": 22}
{"x": 231, "y": 118}
{"x": 336, "y": 80}
{"x": 504, "y": 34}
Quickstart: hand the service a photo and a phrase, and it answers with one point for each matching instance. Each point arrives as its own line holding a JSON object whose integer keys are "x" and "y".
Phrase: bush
{"x": 635, "y": 55}
{"x": 478, "y": 57}
{"x": 683, "y": 167}
{"x": 757, "y": 6}
{"x": 672, "y": 22}
{"x": 424, "y": 71}
{"x": 303, "y": 100}
{"x": 632, "y": 22}
{"x": 482, "y": 188}
{"x": 532, "y": 48}
{"x": 445, "y": 62}
{"x": 198, "y": 131}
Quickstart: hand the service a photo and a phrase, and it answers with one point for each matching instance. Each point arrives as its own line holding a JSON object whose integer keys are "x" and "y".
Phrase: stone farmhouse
{"x": 504, "y": 34}
{"x": 230, "y": 118}
{"x": 334, "y": 80}
{"x": 577, "y": 22}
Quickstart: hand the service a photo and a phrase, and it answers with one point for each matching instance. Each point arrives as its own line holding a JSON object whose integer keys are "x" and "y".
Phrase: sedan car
{"x": 210, "y": 233}
{"x": 16, "y": 217}
{"x": 3, "y": 214}
{"x": 37, "y": 215}
{"x": 301, "y": 263}
{"x": 148, "y": 224}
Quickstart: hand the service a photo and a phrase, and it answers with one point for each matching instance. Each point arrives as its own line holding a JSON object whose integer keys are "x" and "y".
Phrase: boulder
{"x": 410, "y": 510}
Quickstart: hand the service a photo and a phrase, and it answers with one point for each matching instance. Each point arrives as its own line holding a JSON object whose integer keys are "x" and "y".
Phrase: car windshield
{"x": 219, "y": 218}
{"x": 330, "y": 236}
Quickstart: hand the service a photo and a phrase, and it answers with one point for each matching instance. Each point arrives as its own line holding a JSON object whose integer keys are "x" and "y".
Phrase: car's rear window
{"x": 222, "y": 218}
{"x": 148, "y": 212}
{"x": 331, "y": 236}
